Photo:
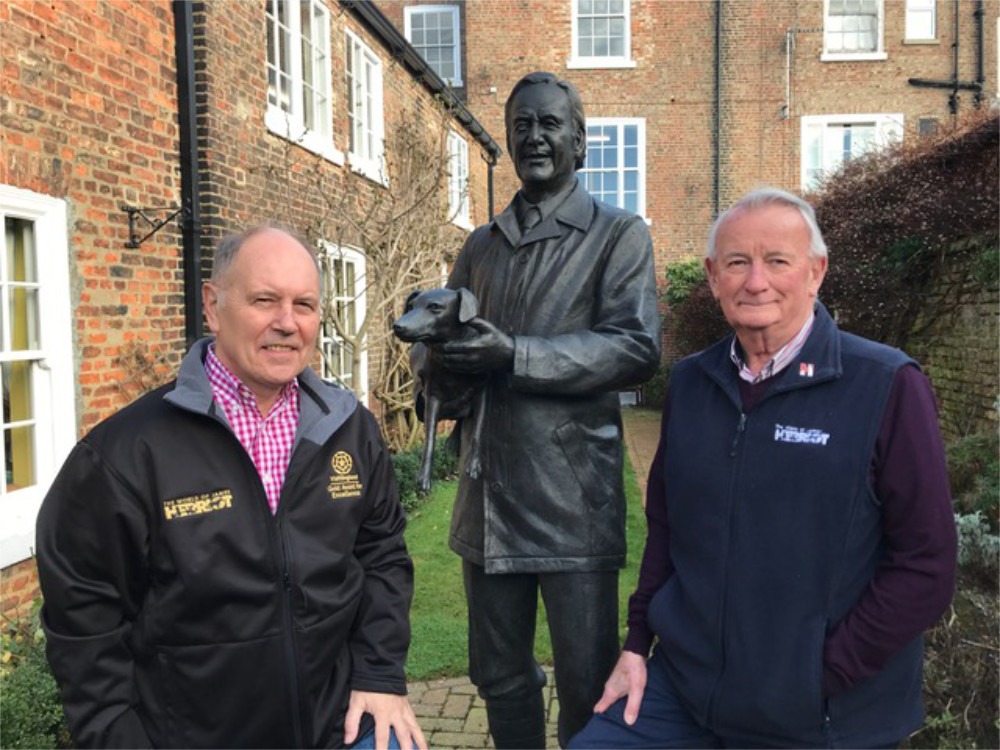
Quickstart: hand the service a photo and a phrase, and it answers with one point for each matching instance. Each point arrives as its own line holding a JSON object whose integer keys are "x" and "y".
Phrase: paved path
{"x": 451, "y": 714}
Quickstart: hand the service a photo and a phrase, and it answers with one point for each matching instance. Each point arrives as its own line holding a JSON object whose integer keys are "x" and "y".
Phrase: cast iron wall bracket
{"x": 135, "y": 213}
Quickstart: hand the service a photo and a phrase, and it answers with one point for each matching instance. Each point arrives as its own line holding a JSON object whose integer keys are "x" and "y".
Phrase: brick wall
{"x": 254, "y": 175}
{"x": 89, "y": 115}
{"x": 955, "y": 338}
{"x": 673, "y": 86}
{"x": 18, "y": 589}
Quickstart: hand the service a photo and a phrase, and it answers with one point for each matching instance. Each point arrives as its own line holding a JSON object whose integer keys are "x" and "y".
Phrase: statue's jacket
{"x": 578, "y": 295}
{"x": 179, "y": 612}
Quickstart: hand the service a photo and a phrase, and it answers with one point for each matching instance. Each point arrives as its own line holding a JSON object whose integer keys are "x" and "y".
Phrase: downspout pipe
{"x": 980, "y": 15}
{"x": 717, "y": 114}
{"x": 490, "y": 167}
{"x": 953, "y": 100}
{"x": 190, "y": 198}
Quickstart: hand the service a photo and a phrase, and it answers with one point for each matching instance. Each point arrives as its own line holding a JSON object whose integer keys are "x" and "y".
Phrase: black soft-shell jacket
{"x": 180, "y": 613}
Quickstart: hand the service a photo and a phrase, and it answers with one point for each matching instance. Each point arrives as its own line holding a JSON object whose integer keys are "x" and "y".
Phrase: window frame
{"x": 459, "y": 203}
{"x": 456, "y": 51}
{"x": 291, "y": 125}
{"x": 52, "y": 376}
{"x": 580, "y": 61}
{"x": 927, "y": 8}
{"x": 888, "y": 129}
{"x": 371, "y": 161}
{"x": 879, "y": 53}
{"x": 621, "y": 123}
{"x": 328, "y": 336}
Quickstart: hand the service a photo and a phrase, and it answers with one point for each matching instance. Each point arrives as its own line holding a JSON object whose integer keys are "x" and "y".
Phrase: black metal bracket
{"x": 135, "y": 213}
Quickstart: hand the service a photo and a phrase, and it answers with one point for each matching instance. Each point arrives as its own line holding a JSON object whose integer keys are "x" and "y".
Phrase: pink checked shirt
{"x": 267, "y": 439}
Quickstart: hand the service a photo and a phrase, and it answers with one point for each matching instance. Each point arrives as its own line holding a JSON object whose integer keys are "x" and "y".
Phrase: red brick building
{"x": 691, "y": 104}
{"x": 134, "y": 135}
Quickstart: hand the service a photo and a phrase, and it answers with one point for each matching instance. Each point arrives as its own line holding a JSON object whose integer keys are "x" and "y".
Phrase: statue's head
{"x": 546, "y": 129}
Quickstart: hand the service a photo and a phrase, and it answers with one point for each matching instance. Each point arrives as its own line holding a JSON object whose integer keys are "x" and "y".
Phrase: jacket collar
{"x": 577, "y": 211}
{"x": 323, "y": 407}
{"x": 818, "y": 361}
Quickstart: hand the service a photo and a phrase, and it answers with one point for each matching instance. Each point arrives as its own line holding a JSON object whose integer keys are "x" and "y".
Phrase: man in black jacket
{"x": 223, "y": 560}
{"x": 568, "y": 288}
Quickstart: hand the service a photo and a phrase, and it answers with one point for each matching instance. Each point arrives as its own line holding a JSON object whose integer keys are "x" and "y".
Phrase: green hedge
{"x": 31, "y": 714}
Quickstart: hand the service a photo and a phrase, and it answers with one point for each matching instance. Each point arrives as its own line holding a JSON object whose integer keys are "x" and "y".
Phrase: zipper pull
{"x": 740, "y": 426}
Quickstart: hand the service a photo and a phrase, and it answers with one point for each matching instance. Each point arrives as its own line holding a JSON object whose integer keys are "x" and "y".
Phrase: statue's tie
{"x": 531, "y": 217}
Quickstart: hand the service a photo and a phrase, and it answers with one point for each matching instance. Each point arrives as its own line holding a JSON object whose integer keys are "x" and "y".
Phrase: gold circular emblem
{"x": 342, "y": 462}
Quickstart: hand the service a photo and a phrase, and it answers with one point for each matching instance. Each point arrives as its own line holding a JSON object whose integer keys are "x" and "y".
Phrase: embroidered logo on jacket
{"x": 788, "y": 434}
{"x": 197, "y": 505}
{"x": 343, "y": 483}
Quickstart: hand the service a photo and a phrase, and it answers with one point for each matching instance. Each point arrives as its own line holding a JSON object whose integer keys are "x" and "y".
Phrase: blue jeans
{"x": 663, "y": 722}
{"x": 367, "y": 741}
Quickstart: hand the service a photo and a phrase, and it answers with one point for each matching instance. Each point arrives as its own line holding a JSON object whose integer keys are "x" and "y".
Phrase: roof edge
{"x": 403, "y": 51}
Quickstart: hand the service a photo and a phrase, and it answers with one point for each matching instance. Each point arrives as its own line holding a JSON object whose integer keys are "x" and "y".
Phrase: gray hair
{"x": 572, "y": 95}
{"x": 769, "y": 196}
{"x": 230, "y": 245}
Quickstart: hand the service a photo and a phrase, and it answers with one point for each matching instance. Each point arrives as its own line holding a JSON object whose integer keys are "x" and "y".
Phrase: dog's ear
{"x": 468, "y": 305}
{"x": 409, "y": 300}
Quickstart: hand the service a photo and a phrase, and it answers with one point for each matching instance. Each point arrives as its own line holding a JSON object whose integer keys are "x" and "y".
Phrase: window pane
{"x": 18, "y": 437}
{"x": 24, "y": 317}
{"x": 19, "y": 321}
{"x": 19, "y": 452}
{"x": 21, "y": 264}
{"x": 433, "y": 35}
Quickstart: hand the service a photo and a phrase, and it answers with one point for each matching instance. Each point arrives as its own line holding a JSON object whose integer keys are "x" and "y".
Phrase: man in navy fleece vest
{"x": 800, "y": 531}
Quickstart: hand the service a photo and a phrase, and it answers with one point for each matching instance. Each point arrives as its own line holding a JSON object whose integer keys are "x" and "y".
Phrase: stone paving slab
{"x": 451, "y": 713}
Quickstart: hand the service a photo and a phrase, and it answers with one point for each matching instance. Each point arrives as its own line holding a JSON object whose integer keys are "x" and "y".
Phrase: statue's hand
{"x": 491, "y": 349}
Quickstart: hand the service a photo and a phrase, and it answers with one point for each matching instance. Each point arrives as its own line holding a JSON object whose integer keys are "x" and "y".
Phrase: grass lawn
{"x": 439, "y": 646}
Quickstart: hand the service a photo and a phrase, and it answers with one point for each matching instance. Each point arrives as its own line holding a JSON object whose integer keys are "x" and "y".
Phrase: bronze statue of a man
{"x": 568, "y": 317}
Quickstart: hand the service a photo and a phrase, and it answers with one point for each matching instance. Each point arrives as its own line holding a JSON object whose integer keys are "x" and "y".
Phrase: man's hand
{"x": 491, "y": 350}
{"x": 628, "y": 678}
{"x": 390, "y": 712}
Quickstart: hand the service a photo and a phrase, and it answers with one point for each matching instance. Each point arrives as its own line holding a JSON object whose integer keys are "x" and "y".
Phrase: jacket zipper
{"x": 284, "y": 566}
{"x": 289, "y": 639}
{"x": 740, "y": 428}
{"x": 733, "y": 453}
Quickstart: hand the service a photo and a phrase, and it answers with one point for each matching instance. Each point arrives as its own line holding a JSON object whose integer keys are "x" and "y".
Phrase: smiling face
{"x": 264, "y": 312}
{"x": 763, "y": 273}
{"x": 543, "y": 140}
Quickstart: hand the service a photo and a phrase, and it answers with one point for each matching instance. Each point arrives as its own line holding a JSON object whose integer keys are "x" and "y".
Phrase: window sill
{"x": 848, "y": 57}
{"x": 368, "y": 168}
{"x": 599, "y": 63}
{"x": 281, "y": 125}
{"x": 463, "y": 223}
{"x": 919, "y": 42}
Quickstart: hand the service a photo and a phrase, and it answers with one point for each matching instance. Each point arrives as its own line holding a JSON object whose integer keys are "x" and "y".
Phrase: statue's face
{"x": 542, "y": 140}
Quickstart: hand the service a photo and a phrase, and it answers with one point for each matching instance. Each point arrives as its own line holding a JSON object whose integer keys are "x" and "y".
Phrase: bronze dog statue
{"x": 431, "y": 318}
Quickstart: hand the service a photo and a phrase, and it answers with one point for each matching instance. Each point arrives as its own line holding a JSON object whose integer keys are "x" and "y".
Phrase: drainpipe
{"x": 717, "y": 113}
{"x": 490, "y": 166}
{"x": 190, "y": 200}
{"x": 953, "y": 99}
{"x": 980, "y": 69}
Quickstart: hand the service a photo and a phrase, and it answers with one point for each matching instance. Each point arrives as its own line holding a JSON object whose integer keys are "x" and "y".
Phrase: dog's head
{"x": 435, "y": 315}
